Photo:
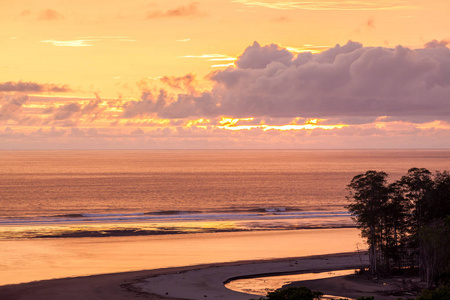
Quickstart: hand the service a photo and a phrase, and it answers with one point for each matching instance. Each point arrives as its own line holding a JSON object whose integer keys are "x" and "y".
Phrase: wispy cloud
{"x": 108, "y": 37}
{"x": 33, "y": 87}
{"x": 180, "y": 11}
{"x": 215, "y": 58}
{"x": 211, "y": 57}
{"x": 326, "y": 5}
{"x": 282, "y": 19}
{"x": 50, "y": 15}
{"x": 87, "y": 41}
{"x": 71, "y": 43}
{"x": 222, "y": 65}
{"x": 223, "y": 59}
{"x": 25, "y": 13}
{"x": 204, "y": 56}
{"x": 184, "y": 40}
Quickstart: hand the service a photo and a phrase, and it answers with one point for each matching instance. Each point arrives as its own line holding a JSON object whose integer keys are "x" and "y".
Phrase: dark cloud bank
{"x": 349, "y": 81}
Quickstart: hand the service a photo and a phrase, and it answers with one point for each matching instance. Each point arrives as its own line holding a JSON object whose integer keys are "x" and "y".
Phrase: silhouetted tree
{"x": 395, "y": 221}
{"x": 417, "y": 183}
{"x": 407, "y": 220}
{"x": 434, "y": 235}
{"x": 369, "y": 193}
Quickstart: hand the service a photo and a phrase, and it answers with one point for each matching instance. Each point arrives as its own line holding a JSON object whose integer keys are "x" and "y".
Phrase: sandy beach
{"x": 200, "y": 282}
{"x": 29, "y": 260}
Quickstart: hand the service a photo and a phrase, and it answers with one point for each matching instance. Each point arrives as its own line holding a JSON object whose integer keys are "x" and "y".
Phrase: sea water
{"x": 52, "y": 194}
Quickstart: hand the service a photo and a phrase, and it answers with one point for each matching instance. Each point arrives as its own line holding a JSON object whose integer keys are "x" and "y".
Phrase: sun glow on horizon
{"x": 310, "y": 124}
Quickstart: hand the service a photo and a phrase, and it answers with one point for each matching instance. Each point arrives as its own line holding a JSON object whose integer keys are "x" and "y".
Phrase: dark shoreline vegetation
{"x": 406, "y": 224}
{"x": 303, "y": 293}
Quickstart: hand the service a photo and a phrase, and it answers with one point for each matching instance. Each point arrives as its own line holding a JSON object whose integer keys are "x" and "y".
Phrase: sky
{"x": 224, "y": 74}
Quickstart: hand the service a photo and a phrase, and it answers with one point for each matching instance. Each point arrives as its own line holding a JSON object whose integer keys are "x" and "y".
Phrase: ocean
{"x": 68, "y": 194}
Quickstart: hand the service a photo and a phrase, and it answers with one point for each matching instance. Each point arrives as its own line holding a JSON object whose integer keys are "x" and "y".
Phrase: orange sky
{"x": 88, "y": 74}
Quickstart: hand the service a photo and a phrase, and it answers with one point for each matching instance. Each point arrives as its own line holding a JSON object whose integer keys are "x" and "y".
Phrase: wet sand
{"x": 29, "y": 260}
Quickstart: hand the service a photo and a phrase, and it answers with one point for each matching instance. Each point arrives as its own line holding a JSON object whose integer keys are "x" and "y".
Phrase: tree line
{"x": 406, "y": 223}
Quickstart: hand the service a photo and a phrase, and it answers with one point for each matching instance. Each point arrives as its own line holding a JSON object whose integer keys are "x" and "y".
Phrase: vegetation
{"x": 441, "y": 293}
{"x": 301, "y": 293}
{"x": 406, "y": 223}
{"x": 292, "y": 293}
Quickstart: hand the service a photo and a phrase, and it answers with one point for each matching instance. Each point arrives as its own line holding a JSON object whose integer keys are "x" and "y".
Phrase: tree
{"x": 435, "y": 239}
{"x": 395, "y": 223}
{"x": 407, "y": 220}
{"x": 434, "y": 235}
{"x": 369, "y": 193}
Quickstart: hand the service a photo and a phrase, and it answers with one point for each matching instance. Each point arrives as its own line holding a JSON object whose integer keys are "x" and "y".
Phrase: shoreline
{"x": 189, "y": 282}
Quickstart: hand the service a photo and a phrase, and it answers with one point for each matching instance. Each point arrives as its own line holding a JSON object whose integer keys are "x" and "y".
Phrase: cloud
{"x": 32, "y": 87}
{"x": 87, "y": 41}
{"x": 67, "y": 111}
{"x": 222, "y": 65}
{"x": 19, "y": 109}
{"x": 50, "y": 15}
{"x": 215, "y": 58}
{"x": 25, "y": 13}
{"x": 349, "y": 81}
{"x": 436, "y": 44}
{"x": 370, "y": 23}
{"x": 71, "y": 43}
{"x": 255, "y": 56}
{"x": 181, "y": 11}
{"x": 326, "y": 5}
{"x": 187, "y": 82}
{"x": 282, "y": 19}
{"x": 11, "y": 107}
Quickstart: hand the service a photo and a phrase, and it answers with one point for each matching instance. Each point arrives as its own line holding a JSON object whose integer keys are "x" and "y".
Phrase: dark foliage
{"x": 292, "y": 293}
{"x": 441, "y": 293}
{"x": 406, "y": 223}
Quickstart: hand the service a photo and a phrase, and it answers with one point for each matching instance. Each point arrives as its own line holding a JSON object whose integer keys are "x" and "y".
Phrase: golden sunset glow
{"x": 226, "y": 122}
{"x": 310, "y": 124}
{"x": 224, "y": 72}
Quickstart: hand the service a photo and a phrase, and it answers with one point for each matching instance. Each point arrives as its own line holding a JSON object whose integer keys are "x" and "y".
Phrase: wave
{"x": 173, "y": 212}
{"x": 258, "y": 209}
{"x": 170, "y": 231}
{"x": 69, "y": 216}
{"x": 93, "y": 224}
{"x": 230, "y": 212}
{"x": 176, "y": 216}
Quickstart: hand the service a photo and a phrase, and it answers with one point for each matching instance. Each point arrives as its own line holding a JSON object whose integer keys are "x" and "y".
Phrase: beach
{"x": 199, "y": 282}
{"x": 45, "y": 261}
{"x": 28, "y": 260}
{"x": 189, "y": 266}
